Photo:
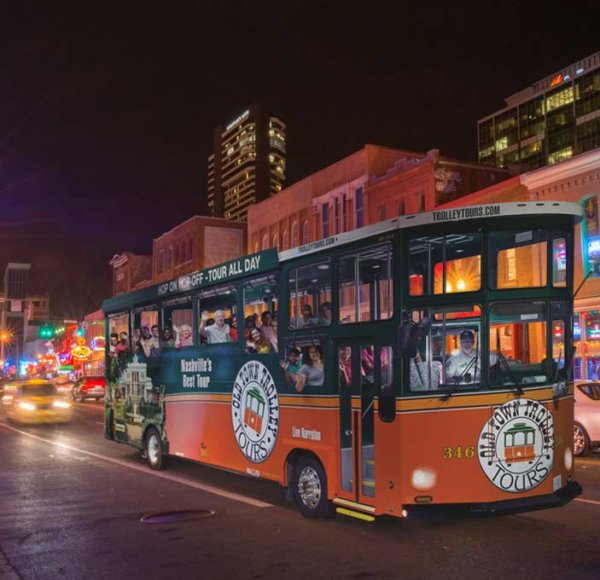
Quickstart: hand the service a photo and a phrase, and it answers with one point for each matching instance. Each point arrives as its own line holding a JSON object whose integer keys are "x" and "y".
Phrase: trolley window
{"x": 260, "y": 314}
{"x": 178, "y": 323}
{"x": 366, "y": 285}
{"x": 217, "y": 307}
{"x": 310, "y": 295}
{"x": 518, "y": 343}
{"x": 448, "y": 348}
{"x": 518, "y": 259}
{"x": 445, "y": 264}
{"x": 146, "y": 335}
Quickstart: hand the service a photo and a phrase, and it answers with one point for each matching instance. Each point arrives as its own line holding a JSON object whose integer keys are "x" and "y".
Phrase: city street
{"x": 72, "y": 503}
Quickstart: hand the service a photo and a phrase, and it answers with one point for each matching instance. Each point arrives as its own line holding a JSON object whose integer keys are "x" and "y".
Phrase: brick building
{"x": 197, "y": 243}
{"x": 130, "y": 271}
{"x": 371, "y": 185}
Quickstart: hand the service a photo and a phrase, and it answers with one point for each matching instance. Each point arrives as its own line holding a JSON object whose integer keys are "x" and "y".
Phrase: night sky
{"x": 107, "y": 114}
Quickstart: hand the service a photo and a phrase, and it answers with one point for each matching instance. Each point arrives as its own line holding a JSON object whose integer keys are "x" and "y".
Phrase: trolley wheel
{"x": 309, "y": 488}
{"x": 154, "y": 453}
{"x": 581, "y": 441}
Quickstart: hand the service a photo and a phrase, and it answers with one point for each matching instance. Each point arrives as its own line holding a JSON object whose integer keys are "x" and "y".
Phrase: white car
{"x": 587, "y": 417}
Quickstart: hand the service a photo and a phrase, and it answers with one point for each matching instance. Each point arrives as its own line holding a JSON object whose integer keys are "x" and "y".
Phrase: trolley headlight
{"x": 27, "y": 406}
{"x": 61, "y": 404}
{"x": 568, "y": 459}
{"x": 423, "y": 478}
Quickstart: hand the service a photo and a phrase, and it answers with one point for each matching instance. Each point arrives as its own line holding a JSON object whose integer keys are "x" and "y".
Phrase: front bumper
{"x": 512, "y": 506}
{"x": 38, "y": 417}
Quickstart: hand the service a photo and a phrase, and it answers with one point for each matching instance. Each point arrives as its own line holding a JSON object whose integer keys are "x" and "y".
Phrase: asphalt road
{"x": 71, "y": 504}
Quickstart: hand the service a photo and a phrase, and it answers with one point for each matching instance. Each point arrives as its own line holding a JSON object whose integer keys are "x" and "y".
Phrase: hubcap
{"x": 309, "y": 487}
{"x": 578, "y": 441}
{"x": 153, "y": 448}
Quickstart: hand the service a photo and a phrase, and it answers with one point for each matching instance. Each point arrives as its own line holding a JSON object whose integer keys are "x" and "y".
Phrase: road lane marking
{"x": 177, "y": 479}
{"x": 587, "y": 500}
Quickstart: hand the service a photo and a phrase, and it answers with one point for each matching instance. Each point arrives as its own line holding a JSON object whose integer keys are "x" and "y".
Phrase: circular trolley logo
{"x": 516, "y": 446}
{"x": 255, "y": 411}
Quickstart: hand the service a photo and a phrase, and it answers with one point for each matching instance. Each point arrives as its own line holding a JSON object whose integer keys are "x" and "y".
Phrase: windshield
{"x": 592, "y": 390}
{"x": 44, "y": 390}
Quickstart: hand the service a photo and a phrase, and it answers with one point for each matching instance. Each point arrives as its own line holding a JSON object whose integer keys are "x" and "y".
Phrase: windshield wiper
{"x": 458, "y": 380}
{"x": 504, "y": 363}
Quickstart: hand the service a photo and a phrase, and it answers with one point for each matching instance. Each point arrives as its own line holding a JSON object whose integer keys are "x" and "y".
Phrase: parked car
{"x": 587, "y": 417}
{"x": 89, "y": 388}
{"x": 35, "y": 401}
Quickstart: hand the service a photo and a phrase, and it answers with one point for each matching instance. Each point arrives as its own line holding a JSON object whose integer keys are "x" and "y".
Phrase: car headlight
{"x": 27, "y": 406}
{"x": 61, "y": 404}
{"x": 423, "y": 478}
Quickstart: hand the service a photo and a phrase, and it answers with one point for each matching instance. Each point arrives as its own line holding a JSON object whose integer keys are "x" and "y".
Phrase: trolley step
{"x": 353, "y": 514}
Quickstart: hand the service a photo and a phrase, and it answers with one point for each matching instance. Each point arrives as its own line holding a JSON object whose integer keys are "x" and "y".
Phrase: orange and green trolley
{"x": 417, "y": 365}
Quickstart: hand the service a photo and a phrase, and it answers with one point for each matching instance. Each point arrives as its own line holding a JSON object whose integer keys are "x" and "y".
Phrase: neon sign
{"x": 556, "y": 80}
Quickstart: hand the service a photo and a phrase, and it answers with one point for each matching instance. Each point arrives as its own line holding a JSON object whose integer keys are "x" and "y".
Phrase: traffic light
{"x": 46, "y": 331}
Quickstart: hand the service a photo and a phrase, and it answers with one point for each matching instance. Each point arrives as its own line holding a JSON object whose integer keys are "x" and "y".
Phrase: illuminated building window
{"x": 265, "y": 242}
{"x": 295, "y": 235}
{"x": 305, "y": 232}
{"x": 284, "y": 240}
{"x": 561, "y": 155}
{"x": 501, "y": 143}
{"x": 559, "y": 99}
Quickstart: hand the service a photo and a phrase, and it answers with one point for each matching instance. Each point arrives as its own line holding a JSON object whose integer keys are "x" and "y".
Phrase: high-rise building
{"x": 548, "y": 122}
{"x": 247, "y": 164}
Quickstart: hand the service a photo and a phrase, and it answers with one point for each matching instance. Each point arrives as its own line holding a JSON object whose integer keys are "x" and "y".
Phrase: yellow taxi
{"x": 35, "y": 401}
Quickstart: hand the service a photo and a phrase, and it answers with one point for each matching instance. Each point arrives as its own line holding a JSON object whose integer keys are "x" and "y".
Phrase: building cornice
{"x": 552, "y": 174}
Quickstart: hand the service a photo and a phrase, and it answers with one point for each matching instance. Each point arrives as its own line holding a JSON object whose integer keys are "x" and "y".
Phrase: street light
{"x": 5, "y": 337}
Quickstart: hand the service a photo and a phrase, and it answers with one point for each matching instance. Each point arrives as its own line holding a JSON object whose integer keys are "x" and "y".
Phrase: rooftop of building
{"x": 206, "y": 221}
{"x": 568, "y": 73}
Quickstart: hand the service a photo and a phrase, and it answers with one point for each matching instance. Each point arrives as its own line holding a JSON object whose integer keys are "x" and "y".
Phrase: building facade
{"x": 130, "y": 271}
{"x": 248, "y": 162}
{"x": 548, "y": 122}
{"x": 14, "y": 315}
{"x": 327, "y": 202}
{"x": 197, "y": 243}
{"x": 371, "y": 185}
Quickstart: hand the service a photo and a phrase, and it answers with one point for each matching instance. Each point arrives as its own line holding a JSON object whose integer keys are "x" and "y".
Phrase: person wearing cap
{"x": 466, "y": 362}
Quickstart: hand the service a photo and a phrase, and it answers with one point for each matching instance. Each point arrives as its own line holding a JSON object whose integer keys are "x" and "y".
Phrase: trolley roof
{"x": 269, "y": 259}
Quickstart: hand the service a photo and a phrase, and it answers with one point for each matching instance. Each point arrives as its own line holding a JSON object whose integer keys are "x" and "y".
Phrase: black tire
{"x": 153, "y": 449}
{"x": 309, "y": 488}
{"x": 581, "y": 441}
